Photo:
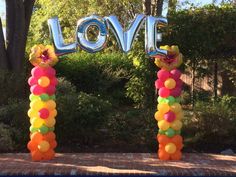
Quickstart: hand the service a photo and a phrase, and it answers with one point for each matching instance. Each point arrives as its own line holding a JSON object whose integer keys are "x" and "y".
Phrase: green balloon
{"x": 43, "y": 129}
{"x": 44, "y": 97}
{"x": 170, "y": 100}
{"x": 160, "y": 99}
{"x": 53, "y": 97}
{"x": 170, "y": 132}
{"x": 32, "y": 129}
{"x": 33, "y": 97}
{"x": 178, "y": 132}
{"x": 161, "y": 132}
{"x": 178, "y": 99}
{"x": 51, "y": 129}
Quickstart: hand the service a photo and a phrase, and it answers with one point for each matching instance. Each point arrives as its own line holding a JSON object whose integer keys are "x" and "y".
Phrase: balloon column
{"x": 169, "y": 113}
{"x": 42, "y": 110}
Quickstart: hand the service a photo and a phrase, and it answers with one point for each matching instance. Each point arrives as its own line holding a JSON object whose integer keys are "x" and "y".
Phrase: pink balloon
{"x": 175, "y": 92}
{"x": 36, "y": 90}
{"x": 164, "y": 92}
{"x": 159, "y": 84}
{"x": 43, "y": 113}
{"x": 54, "y": 81}
{"x": 51, "y": 89}
{"x": 179, "y": 83}
{"x": 51, "y": 72}
{"x": 32, "y": 81}
{"x": 169, "y": 116}
{"x": 37, "y": 72}
{"x": 175, "y": 74}
{"x": 163, "y": 75}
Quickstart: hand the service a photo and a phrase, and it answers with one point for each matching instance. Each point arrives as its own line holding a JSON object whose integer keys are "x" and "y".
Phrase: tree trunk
{"x": 3, "y": 55}
{"x": 193, "y": 82}
{"x": 18, "y": 14}
{"x": 215, "y": 88}
{"x": 147, "y": 7}
{"x": 159, "y": 7}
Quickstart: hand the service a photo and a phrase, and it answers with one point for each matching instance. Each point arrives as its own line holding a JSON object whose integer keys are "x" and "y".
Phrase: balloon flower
{"x": 42, "y": 110}
{"x": 169, "y": 112}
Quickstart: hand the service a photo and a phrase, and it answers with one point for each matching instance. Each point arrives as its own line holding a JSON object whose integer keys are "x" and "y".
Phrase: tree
{"x": 12, "y": 50}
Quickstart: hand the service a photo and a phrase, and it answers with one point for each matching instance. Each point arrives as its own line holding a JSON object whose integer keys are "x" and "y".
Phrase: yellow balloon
{"x": 32, "y": 113}
{"x": 44, "y": 81}
{"x": 36, "y": 122}
{"x": 176, "y": 108}
{"x": 50, "y": 122}
{"x": 170, "y": 148}
{"x": 163, "y": 107}
{"x": 180, "y": 115}
{"x": 159, "y": 116}
{"x": 36, "y": 105}
{"x": 43, "y": 146}
{"x": 163, "y": 125}
{"x": 53, "y": 113}
{"x": 50, "y": 104}
{"x": 176, "y": 125}
{"x": 170, "y": 83}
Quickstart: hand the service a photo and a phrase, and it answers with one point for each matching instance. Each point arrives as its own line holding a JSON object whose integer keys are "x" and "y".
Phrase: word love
{"x": 125, "y": 37}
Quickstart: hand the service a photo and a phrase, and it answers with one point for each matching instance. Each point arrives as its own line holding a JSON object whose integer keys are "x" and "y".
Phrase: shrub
{"x": 103, "y": 74}
{"x": 80, "y": 115}
{"x": 211, "y": 127}
{"x": 14, "y": 115}
{"x": 7, "y": 143}
{"x": 134, "y": 128}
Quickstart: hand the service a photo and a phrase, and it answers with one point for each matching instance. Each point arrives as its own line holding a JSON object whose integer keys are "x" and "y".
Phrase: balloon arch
{"x": 43, "y": 81}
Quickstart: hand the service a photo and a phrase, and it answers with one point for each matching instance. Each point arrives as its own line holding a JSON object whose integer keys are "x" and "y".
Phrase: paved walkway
{"x": 118, "y": 164}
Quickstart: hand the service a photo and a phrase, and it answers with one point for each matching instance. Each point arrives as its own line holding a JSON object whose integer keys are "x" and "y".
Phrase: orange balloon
{"x": 32, "y": 145}
{"x": 50, "y": 136}
{"x": 177, "y": 140}
{"x": 36, "y": 155}
{"x": 163, "y": 155}
{"x": 36, "y": 137}
{"x": 176, "y": 156}
{"x": 162, "y": 139}
{"x": 53, "y": 144}
{"x": 49, "y": 154}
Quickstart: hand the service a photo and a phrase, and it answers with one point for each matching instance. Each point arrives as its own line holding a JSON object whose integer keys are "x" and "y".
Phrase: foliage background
{"x": 106, "y": 101}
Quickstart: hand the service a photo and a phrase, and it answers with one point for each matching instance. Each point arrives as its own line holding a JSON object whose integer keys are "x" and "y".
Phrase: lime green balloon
{"x": 170, "y": 100}
{"x": 160, "y": 99}
{"x": 44, "y": 97}
{"x": 43, "y": 129}
{"x": 53, "y": 97}
{"x": 33, "y": 97}
{"x": 161, "y": 131}
{"x": 170, "y": 132}
{"x": 32, "y": 129}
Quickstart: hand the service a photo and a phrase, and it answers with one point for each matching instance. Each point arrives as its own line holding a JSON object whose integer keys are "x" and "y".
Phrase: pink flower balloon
{"x": 175, "y": 92}
{"x": 37, "y": 72}
{"x": 36, "y": 90}
{"x": 175, "y": 74}
{"x": 32, "y": 81}
{"x": 179, "y": 83}
{"x": 169, "y": 116}
{"x": 164, "y": 92}
{"x": 163, "y": 75}
{"x": 51, "y": 89}
{"x": 43, "y": 113}
{"x": 51, "y": 72}
{"x": 159, "y": 84}
{"x": 54, "y": 81}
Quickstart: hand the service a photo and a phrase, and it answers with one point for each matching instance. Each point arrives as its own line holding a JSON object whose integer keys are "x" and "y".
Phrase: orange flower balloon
{"x": 43, "y": 56}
